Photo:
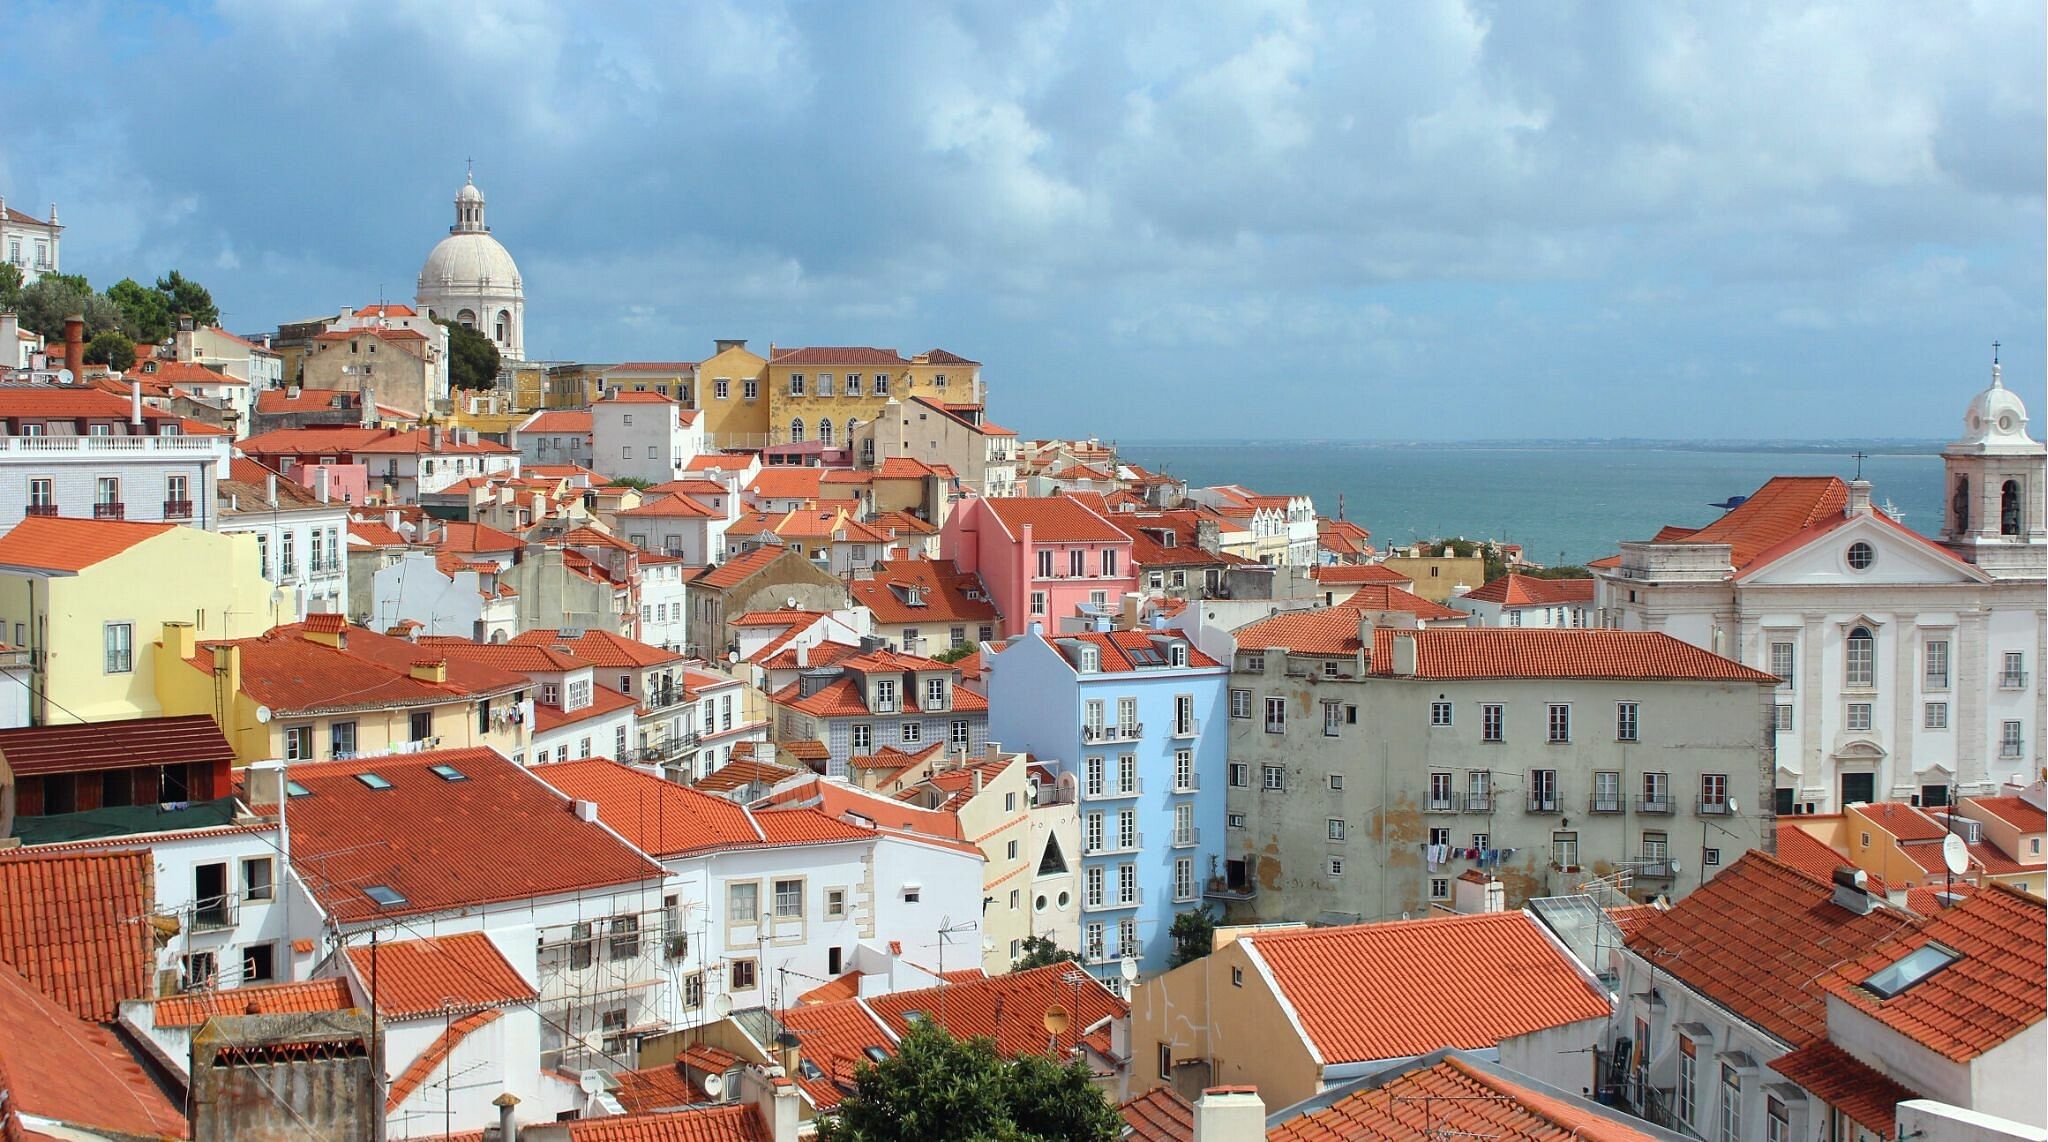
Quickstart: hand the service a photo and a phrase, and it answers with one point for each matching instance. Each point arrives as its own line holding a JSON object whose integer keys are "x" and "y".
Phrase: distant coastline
{"x": 1782, "y": 447}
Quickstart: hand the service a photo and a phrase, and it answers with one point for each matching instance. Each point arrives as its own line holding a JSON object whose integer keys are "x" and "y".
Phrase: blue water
{"x": 1562, "y": 504}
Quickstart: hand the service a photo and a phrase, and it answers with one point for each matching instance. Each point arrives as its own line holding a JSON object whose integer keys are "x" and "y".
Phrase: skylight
{"x": 384, "y": 896}
{"x": 373, "y": 781}
{"x": 447, "y": 773}
{"x": 294, "y": 789}
{"x": 876, "y": 1054}
{"x": 1910, "y": 969}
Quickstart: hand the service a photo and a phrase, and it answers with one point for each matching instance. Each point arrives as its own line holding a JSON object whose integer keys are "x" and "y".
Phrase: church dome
{"x": 470, "y": 262}
{"x": 1996, "y": 416}
{"x": 470, "y": 278}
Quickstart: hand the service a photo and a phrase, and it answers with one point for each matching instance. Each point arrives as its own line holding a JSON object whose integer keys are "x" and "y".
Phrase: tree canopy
{"x": 112, "y": 349}
{"x": 1040, "y": 951}
{"x": 47, "y": 301}
{"x": 10, "y": 285}
{"x": 472, "y": 359}
{"x": 141, "y": 313}
{"x": 937, "y": 1088}
{"x": 145, "y": 312}
{"x": 1194, "y": 933}
{"x": 184, "y": 297}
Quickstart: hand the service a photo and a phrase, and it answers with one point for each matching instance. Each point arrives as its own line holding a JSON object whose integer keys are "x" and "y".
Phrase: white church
{"x": 1909, "y": 666}
{"x": 469, "y": 278}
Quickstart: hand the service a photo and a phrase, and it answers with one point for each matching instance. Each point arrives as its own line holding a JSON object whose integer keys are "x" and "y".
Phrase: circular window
{"x": 1038, "y": 904}
{"x": 1861, "y": 556}
{"x": 2005, "y": 423}
{"x": 1064, "y": 901}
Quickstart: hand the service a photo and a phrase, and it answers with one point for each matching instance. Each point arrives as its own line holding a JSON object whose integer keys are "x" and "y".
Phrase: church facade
{"x": 469, "y": 278}
{"x": 1908, "y": 666}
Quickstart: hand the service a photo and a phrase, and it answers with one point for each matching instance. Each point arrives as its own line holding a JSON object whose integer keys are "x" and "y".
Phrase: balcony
{"x": 1112, "y": 792}
{"x": 1191, "y": 783}
{"x": 1604, "y": 803}
{"x": 1654, "y": 803}
{"x": 1114, "y": 845}
{"x": 214, "y": 914}
{"x": 1191, "y": 728}
{"x": 1479, "y": 802}
{"x": 1225, "y": 889}
{"x": 1543, "y": 802}
{"x": 177, "y": 509}
{"x": 1713, "y": 806}
{"x": 1135, "y": 898}
{"x": 1655, "y": 868}
{"x": 1187, "y": 838}
{"x": 40, "y": 509}
{"x": 1444, "y": 804}
{"x": 1092, "y": 735}
{"x": 2012, "y": 680}
{"x": 110, "y": 511}
{"x": 102, "y": 448}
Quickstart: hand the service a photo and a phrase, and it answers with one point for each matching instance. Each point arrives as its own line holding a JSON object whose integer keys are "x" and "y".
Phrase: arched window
{"x": 504, "y": 327}
{"x": 796, "y": 430}
{"x": 1961, "y": 506}
{"x": 466, "y": 319}
{"x": 2009, "y": 508}
{"x": 1859, "y": 663}
{"x": 825, "y": 432}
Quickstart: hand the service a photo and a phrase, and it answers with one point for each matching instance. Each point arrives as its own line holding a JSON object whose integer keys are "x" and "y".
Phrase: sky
{"x": 1412, "y": 221}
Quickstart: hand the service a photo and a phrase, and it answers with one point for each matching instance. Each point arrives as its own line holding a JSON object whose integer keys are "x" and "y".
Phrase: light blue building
{"x": 1135, "y": 723}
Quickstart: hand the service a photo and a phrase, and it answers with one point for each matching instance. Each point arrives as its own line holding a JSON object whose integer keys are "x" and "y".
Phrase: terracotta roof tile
{"x": 1158, "y": 1115}
{"x": 476, "y": 537}
{"x": 1457, "y": 1099}
{"x": 51, "y": 543}
{"x": 652, "y": 1089}
{"x": 1516, "y": 590}
{"x": 2015, "y": 811}
{"x": 1387, "y": 597}
{"x": 500, "y": 834}
{"x": 742, "y": 772}
{"x": 1905, "y": 822}
{"x": 1983, "y": 999}
{"x": 739, "y": 568}
{"x": 601, "y": 647}
{"x": 1384, "y": 991}
{"x": 436, "y": 1055}
{"x": 434, "y": 974}
{"x": 56, "y": 1066}
{"x": 726, "y": 1122}
{"x": 834, "y": 1037}
{"x": 76, "y": 926}
{"x": 1783, "y": 507}
{"x": 837, "y": 355}
{"x": 656, "y": 816}
{"x": 330, "y": 994}
{"x": 1814, "y": 857}
{"x": 1054, "y": 519}
{"x": 125, "y": 744}
{"x": 1756, "y": 939}
{"x": 1118, "y": 652}
{"x": 1846, "y": 1083}
{"x": 1018, "y": 999}
{"x": 290, "y": 673}
{"x": 845, "y": 699}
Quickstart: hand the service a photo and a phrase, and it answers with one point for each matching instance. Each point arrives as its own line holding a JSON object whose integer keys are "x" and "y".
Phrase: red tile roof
{"x": 1783, "y": 507}
{"x": 724, "y": 1122}
{"x": 2015, "y": 811}
{"x": 739, "y": 568}
{"x": 187, "y": 373}
{"x": 290, "y": 673}
{"x": 438, "y": 974}
{"x": 1117, "y": 651}
{"x": 942, "y": 357}
{"x": 125, "y": 744}
{"x": 1499, "y": 652}
{"x": 191, "y": 1010}
{"x": 600, "y": 647}
{"x": 76, "y": 926}
{"x": 1756, "y": 938}
{"x": 656, "y": 816}
{"x": 786, "y": 482}
{"x": 1905, "y": 822}
{"x": 807, "y": 827}
{"x": 652, "y": 1089}
{"x": 499, "y": 835}
{"x": 837, "y": 355}
{"x": 435, "y": 1057}
{"x": 1018, "y": 999}
{"x": 1846, "y": 1083}
{"x": 1324, "y": 631}
{"x": 1387, "y": 597}
{"x": 56, "y": 1066}
{"x": 1158, "y": 1115}
{"x": 1053, "y": 519}
{"x": 834, "y": 1037}
{"x": 846, "y": 699}
{"x": 1455, "y": 1098}
{"x": 741, "y": 772}
{"x": 1815, "y": 857}
{"x": 1384, "y": 991}
{"x": 48, "y": 402}
{"x": 1983, "y": 999}
{"x": 846, "y": 801}
{"x": 51, "y": 543}
{"x": 672, "y": 507}
{"x": 468, "y": 538}
{"x": 1516, "y": 590}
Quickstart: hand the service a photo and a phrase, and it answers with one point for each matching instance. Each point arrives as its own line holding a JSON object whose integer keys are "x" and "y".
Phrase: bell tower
{"x": 1992, "y": 513}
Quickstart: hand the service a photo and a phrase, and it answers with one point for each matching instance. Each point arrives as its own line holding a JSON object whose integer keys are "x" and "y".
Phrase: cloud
{"x": 1271, "y": 219}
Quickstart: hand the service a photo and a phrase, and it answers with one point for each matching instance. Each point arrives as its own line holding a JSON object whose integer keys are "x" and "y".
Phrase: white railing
{"x": 98, "y": 445}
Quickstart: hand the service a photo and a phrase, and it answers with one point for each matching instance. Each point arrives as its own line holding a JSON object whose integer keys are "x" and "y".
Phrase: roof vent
{"x": 585, "y": 810}
{"x": 1852, "y": 890}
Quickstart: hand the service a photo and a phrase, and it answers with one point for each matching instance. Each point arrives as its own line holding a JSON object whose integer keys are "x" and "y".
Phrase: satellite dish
{"x": 263, "y": 714}
{"x": 722, "y": 1005}
{"x": 732, "y": 656}
{"x": 1129, "y": 970}
{"x": 792, "y": 602}
{"x": 64, "y": 377}
{"x": 1674, "y": 867}
{"x": 1734, "y": 810}
{"x": 713, "y": 1085}
{"x": 1955, "y": 854}
{"x": 1056, "y": 1020}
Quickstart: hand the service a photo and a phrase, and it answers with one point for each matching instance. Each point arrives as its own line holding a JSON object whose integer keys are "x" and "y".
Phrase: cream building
{"x": 28, "y": 243}
{"x": 470, "y": 279}
{"x": 1908, "y": 666}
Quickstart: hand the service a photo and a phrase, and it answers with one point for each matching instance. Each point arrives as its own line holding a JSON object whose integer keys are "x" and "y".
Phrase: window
{"x": 259, "y": 963}
{"x": 1934, "y": 716}
{"x": 120, "y": 647}
{"x": 582, "y": 946}
{"x": 1109, "y": 569}
{"x": 1858, "y": 716}
{"x": 1560, "y": 722}
{"x": 298, "y": 743}
{"x": 1240, "y": 703}
{"x": 1688, "y": 1078}
{"x": 789, "y": 899}
{"x": 796, "y": 384}
{"x": 1607, "y": 791}
{"x": 1184, "y": 770}
{"x": 1656, "y": 793}
{"x": 2013, "y": 676}
{"x": 1091, "y": 942}
{"x": 1440, "y": 792}
{"x": 1784, "y": 660}
{"x": 1859, "y": 664}
{"x": 863, "y": 736}
{"x": 959, "y": 735}
{"x": 1274, "y": 777}
{"x": 1038, "y": 602}
{"x": 743, "y": 903}
{"x": 835, "y": 903}
{"x": 622, "y": 938}
{"x": 2010, "y": 741}
{"x": 721, "y": 388}
{"x": 1077, "y": 563}
{"x": 885, "y": 696}
{"x": 107, "y": 492}
{"x": 287, "y": 560}
{"x": 1936, "y": 654}
{"x": 1861, "y": 556}
{"x": 1731, "y": 1082}
{"x": 256, "y": 879}
{"x": 1091, "y": 836}
{"x": 749, "y": 390}
{"x": 1276, "y": 715}
{"x": 1333, "y": 719}
{"x": 1439, "y": 713}
{"x": 1333, "y": 668}
{"x": 1439, "y": 888}
{"x": 1240, "y": 775}
{"x": 1127, "y": 773}
{"x": 422, "y": 725}
{"x": 1045, "y": 564}
{"x": 1335, "y": 828}
{"x": 796, "y": 430}
{"x": 1092, "y": 771}
{"x": 40, "y": 494}
{"x": 743, "y": 978}
{"x": 1479, "y": 791}
{"x": 1781, "y": 718}
{"x": 911, "y": 732}
{"x": 1543, "y": 790}
{"x": 1127, "y": 829}
{"x": 1713, "y": 793}
{"x": 1777, "y": 1122}
{"x": 1627, "y": 716}
{"x": 1564, "y": 849}
{"x": 1336, "y": 782}
{"x": 1233, "y": 821}
{"x": 198, "y": 969}
{"x": 1490, "y": 721}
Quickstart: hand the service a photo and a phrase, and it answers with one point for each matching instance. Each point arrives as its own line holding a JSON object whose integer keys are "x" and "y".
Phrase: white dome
{"x": 469, "y": 193}
{"x": 1996, "y": 417}
{"x": 470, "y": 262}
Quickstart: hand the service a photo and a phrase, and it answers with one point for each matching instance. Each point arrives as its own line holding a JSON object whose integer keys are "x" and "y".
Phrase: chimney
{"x": 180, "y": 639}
{"x": 508, "y": 1127}
{"x": 1404, "y": 655}
{"x": 724, "y": 344}
{"x": 1229, "y": 1113}
{"x": 803, "y": 656}
{"x": 1859, "y": 498}
{"x": 74, "y": 346}
{"x": 775, "y": 1096}
{"x": 434, "y": 438}
{"x": 977, "y": 781}
{"x": 585, "y": 810}
{"x": 270, "y": 488}
{"x": 325, "y": 479}
{"x": 227, "y": 669}
{"x": 10, "y": 337}
{"x": 184, "y": 339}
{"x": 1852, "y": 890}
{"x": 430, "y": 670}
{"x": 135, "y": 407}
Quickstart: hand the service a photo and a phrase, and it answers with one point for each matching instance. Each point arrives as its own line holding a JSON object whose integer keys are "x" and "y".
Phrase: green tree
{"x": 472, "y": 359}
{"x": 10, "y": 285}
{"x": 937, "y": 1088}
{"x": 953, "y": 654}
{"x": 182, "y": 296}
{"x": 1563, "y": 571}
{"x": 1194, "y": 934}
{"x": 145, "y": 313}
{"x": 112, "y": 349}
{"x": 1039, "y": 951}
{"x": 633, "y": 482}
{"x": 47, "y": 301}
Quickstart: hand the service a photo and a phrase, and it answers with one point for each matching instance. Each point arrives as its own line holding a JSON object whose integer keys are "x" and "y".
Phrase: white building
{"x": 89, "y": 454}
{"x": 643, "y": 436}
{"x": 1908, "y": 666}
{"x": 469, "y": 278}
{"x": 446, "y": 594}
{"x": 554, "y": 436}
{"x": 1525, "y": 601}
{"x": 28, "y": 243}
{"x": 300, "y": 538}
{"x": 663, "y": 606}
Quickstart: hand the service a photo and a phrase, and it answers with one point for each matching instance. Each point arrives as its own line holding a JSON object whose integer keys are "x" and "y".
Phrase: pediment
{"x": 1896, "y": 557}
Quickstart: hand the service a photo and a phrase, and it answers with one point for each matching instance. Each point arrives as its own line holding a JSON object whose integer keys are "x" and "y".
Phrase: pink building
{"x": 1042, "y": 558}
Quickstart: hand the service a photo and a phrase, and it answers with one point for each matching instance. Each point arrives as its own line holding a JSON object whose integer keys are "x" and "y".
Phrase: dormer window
{"x": 1090, "y": 659}
{"x": 1177, "y": 654}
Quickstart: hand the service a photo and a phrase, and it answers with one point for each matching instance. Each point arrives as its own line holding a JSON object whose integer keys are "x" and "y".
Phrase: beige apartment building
{"x": 1373, "y": 768}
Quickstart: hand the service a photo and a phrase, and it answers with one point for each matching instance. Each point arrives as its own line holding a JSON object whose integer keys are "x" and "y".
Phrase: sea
{"x": 1564, "y": 503}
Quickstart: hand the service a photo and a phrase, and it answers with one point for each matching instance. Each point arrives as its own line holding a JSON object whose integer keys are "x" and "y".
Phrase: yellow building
{"x": 323, "y": 690}
{"x": 1437, "y": 577}
{"x": 83, "y": 597}
{"x": 823, "y": 393}
{"x": 731, "y": 393}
